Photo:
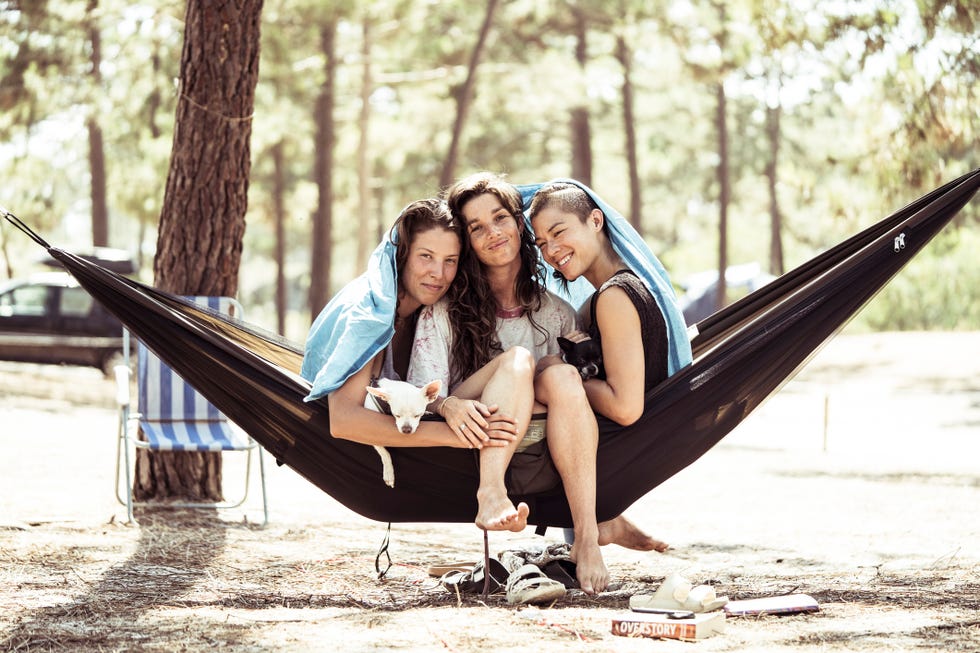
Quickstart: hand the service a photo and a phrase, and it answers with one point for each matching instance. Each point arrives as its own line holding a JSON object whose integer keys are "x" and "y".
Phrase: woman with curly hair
{"x": 367, "y": 329}
{"x": 509, "y": 309}
{"x": 498, "y": 317}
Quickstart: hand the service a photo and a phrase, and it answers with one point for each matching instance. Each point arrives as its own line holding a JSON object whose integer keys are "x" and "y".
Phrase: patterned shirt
{"x": 433, "y": 337}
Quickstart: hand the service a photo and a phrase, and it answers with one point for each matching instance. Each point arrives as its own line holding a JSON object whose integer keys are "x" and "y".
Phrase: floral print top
{"x": 433, "y": 337}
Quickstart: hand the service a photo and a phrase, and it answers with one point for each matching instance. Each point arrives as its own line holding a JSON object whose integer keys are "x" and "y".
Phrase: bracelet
{"x": 442, "y": 405}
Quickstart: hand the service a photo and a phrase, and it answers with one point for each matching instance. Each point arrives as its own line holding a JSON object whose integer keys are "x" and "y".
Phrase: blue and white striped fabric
{"x": 173, "y": 415}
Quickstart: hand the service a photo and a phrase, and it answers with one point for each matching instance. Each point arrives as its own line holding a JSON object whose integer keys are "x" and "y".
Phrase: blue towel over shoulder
{"x": 358, "y": 322}
{"x": 354, "y": 326}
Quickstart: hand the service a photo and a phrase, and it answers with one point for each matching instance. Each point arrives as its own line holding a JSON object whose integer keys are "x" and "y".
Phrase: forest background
{"x": 729, "y": 132}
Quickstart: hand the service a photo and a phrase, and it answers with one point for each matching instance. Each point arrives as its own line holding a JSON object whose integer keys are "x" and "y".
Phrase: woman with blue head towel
{"x": 366, "y": 332}
{"x": 641, "y": 339}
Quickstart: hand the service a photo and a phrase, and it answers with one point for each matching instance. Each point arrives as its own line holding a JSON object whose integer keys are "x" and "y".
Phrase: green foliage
{"x": 877, "y": 103}
{"x": 938, "y": 290}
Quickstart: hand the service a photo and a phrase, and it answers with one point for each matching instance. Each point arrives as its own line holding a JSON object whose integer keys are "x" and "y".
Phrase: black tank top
{"x": 653, "y": 327}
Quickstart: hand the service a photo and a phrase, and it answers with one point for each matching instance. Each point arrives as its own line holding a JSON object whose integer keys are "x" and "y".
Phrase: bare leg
{"x": 510, "y": 387}
{"x": 573, "y": 438}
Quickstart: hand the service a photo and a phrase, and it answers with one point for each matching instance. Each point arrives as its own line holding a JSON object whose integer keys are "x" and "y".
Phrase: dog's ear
{"x": 431, "y": 390}
{"x": 565, "y": 343}
{"x": 378, "y": 392}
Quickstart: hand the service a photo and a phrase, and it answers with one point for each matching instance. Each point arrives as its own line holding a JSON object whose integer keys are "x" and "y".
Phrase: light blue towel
{"x": 638, "y": 256}
{"x": 359, "y": 320}
{"x": 355, "y": 325}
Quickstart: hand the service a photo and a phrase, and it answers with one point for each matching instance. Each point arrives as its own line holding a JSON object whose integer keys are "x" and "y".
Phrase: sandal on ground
{"x": 472, "y": 582}
{"x": 563, "y": 571}
{"x": 440, "y": 569}
{"x": 677, "y": 593}
{"x": 529, "y": 585}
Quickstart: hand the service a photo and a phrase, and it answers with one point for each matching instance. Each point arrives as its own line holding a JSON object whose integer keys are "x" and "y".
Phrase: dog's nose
{"x": 407, "y": 429}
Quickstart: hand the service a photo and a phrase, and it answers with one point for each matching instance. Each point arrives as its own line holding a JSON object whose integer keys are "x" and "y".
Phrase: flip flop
{"x": 677, "y": 593}
{"x": 472, "y": 582}
{"x": 563, "y": 571}
{"x": 529, "y": 585}
{"x": 440, "y": 569}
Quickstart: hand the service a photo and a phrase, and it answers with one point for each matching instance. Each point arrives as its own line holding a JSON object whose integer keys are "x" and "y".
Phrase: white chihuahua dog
{"x": 406, "y": 403}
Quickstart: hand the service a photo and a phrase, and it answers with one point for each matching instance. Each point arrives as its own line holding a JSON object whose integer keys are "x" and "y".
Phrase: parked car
{"x": 49, "y": 318}
{"x": 701, "y": 288}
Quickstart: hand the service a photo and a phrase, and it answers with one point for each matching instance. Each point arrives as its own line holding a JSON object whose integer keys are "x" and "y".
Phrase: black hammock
{"x": 742, "y": 355}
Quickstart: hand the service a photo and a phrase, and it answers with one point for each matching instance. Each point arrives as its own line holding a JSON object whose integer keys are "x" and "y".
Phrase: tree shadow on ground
{"x": 175, "y": 551}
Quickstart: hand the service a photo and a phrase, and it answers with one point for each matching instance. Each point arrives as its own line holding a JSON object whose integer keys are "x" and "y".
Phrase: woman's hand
{"x": 473, "y": 422}
{"x": 502, "y": 430}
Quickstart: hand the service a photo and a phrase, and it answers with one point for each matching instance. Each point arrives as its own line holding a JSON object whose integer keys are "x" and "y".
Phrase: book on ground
{"x": 661, "y": 626}
{"x": 786, "y": 604}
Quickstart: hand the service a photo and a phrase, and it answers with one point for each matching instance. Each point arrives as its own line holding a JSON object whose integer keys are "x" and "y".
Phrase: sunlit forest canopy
{"x": 739, "y": 132}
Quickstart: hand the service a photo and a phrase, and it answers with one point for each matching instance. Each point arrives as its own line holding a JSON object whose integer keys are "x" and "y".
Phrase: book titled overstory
{"x": 659, "y": 626}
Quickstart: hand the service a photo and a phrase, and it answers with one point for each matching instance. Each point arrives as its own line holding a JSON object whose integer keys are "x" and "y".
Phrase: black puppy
{"x": 585, "y": 356}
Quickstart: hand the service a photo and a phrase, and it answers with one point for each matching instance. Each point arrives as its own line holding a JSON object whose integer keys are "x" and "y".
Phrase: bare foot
{"x": 497, "y": 513}
{"x": 625, "y": 533}
{"x": 590, "y": 569}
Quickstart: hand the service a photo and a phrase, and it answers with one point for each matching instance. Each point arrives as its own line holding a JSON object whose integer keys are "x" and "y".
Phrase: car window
{"x": 75, "y": 302}
{"x": 26, "y": 300}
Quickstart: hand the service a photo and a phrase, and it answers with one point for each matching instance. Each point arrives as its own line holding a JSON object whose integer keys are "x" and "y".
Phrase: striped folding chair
{"x": 173, "y": 416}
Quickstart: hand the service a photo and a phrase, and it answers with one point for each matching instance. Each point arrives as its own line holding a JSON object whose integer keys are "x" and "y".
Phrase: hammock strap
{"x": 17, "y": 222}
{"x": 383, "y": 551}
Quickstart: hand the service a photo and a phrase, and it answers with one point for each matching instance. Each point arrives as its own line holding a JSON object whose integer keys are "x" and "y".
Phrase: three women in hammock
{"x": 486, "y": 326}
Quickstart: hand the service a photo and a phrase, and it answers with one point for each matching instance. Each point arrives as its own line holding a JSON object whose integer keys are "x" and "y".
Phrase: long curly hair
{"x": 473, "y": 309}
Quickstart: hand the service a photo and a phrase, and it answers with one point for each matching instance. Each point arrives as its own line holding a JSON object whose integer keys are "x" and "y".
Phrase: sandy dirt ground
{"x": 858, "y": 484}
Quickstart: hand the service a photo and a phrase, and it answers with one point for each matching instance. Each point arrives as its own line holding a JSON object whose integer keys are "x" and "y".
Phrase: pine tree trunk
{"x": 100, "y": 207}
{"x": 625, "y": 58}
{"x": 203, "y": 216}
{"x": 464, "y": 97}
{"x": 721, "y": 124}
{"x": 581, "y": 129}
{"x": 773, "y": 115}
{"x": 96, "y": 148}
{"x": 279, "y": 217}
{"x": 363, "y": 153}
{"x": 723, "y": 171}
{"x": 323, "y": 174}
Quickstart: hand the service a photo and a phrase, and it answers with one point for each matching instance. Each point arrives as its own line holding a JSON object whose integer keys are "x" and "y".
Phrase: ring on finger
{"x": 462, "y": 426}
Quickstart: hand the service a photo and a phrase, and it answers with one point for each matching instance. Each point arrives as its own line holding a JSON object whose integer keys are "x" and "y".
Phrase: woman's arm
{"x": 350, "y": 420}
{"x": 620, "y": 396}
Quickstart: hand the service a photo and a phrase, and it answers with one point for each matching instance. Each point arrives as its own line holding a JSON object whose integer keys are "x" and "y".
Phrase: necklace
{"x": 511, "y": 312}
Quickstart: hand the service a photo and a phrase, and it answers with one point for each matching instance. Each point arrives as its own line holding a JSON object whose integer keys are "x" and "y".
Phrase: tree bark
{"x": 723, "y": 172}
{"x": 203, "y": 216}
{"x": 363, "y": 157}
{"x": 625, "y": 58}
{"x": 581, "y": 129}
{"x": 323, "y": 173}
{"x": 96, "y": 148}
{"x": 464, "y": 97}
{"x": 279, "y": 219}
{"x": 773, "y": 115}
{"x": 724, "y": 192}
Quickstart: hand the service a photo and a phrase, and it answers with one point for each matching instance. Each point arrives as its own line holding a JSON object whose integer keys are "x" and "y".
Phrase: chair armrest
{"x": 122, "y": 385}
